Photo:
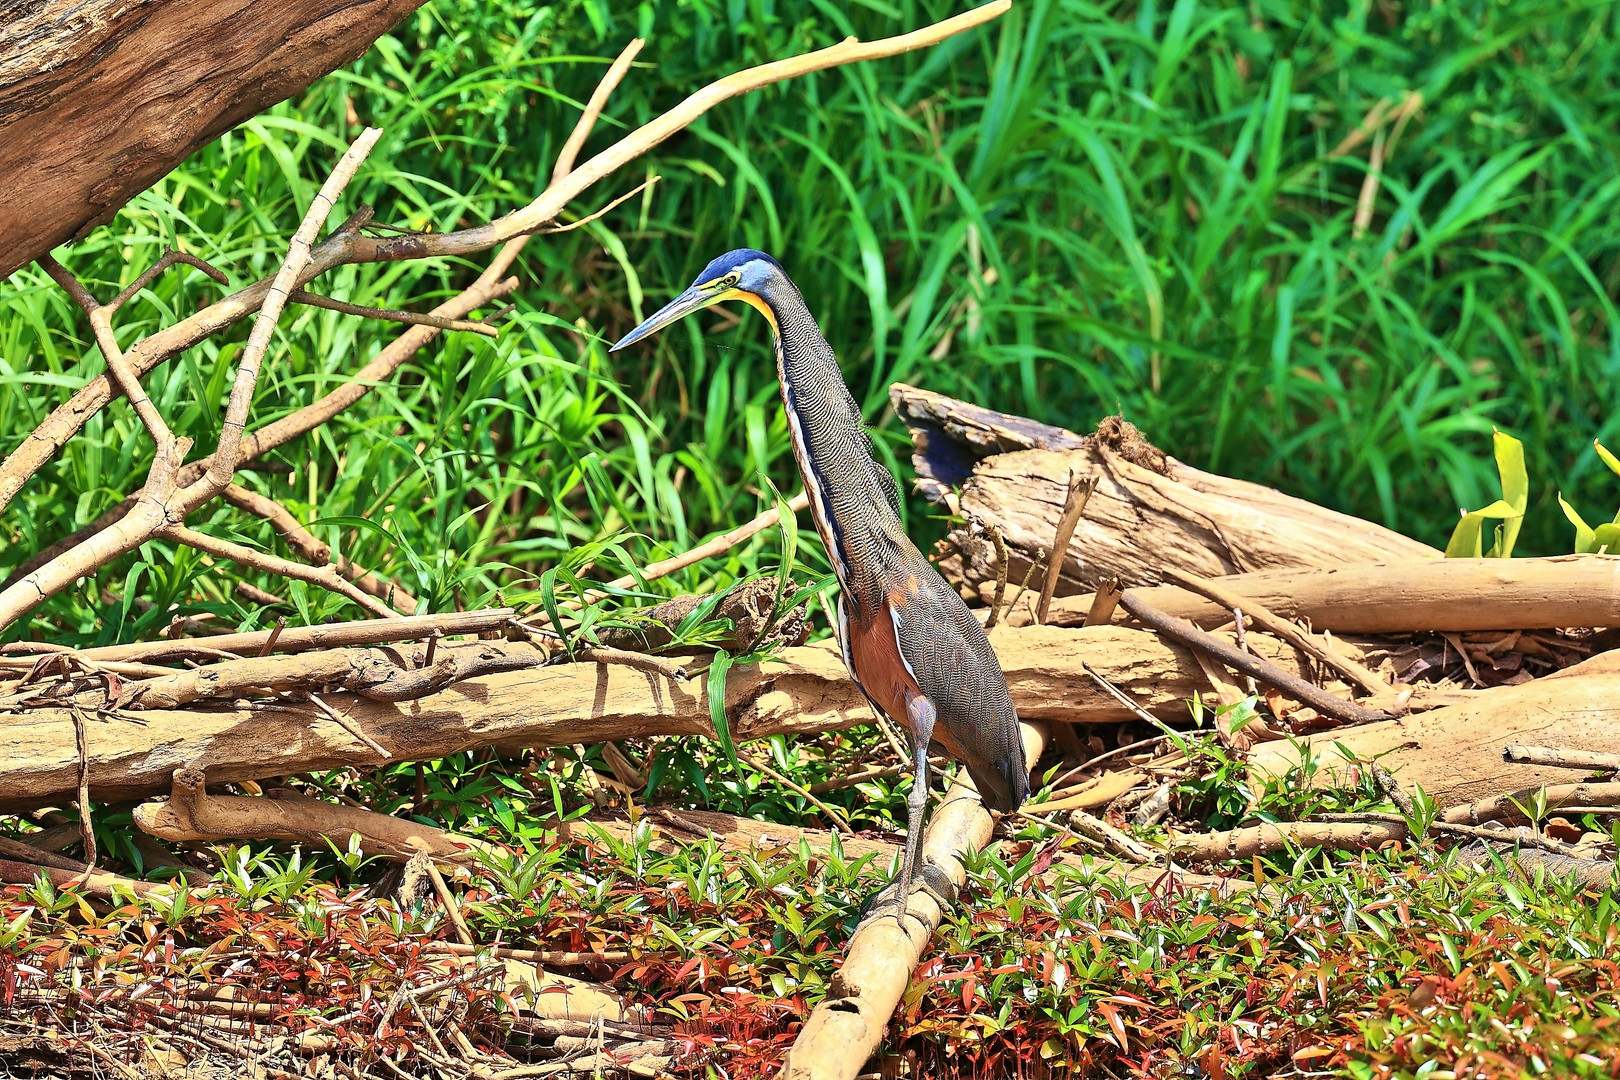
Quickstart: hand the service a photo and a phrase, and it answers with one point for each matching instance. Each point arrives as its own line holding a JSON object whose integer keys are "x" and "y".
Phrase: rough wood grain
{"x": 1410, "y": 596}
{"x": 1149, "y": 510}
{"x": 1455, "y": 753}
{"x": 100, "y": 98}
{"x": 807, "y": 692}
{"x": 289, "y": 815}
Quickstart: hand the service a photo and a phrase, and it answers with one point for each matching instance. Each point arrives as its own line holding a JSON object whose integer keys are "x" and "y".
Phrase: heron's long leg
{"x": 920, "y": 714}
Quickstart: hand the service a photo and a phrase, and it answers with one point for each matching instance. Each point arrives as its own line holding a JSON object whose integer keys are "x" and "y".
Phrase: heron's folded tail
{"x": 1003, "y": 784}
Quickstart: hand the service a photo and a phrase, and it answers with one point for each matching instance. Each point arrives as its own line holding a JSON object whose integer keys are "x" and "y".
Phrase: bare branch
{"x": 593, "y": 109}
{"x": 346, "y": 248}
{"x": 326, "y": 577}
{"x": 312, "y": 549}
{"x": 286, "y": 280}
{"x": 170, "y": 257}
{"x": 301, "y": 296}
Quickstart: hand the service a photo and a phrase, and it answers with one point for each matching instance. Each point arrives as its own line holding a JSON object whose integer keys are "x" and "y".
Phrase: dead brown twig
{"x": 1269, "y": 673}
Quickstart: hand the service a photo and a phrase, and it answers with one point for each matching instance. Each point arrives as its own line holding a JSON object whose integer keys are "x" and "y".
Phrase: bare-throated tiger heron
{"x": 908, "y": 640}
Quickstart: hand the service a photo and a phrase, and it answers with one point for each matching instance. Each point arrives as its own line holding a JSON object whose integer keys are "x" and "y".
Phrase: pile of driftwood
{"x": 1487, "y": 683}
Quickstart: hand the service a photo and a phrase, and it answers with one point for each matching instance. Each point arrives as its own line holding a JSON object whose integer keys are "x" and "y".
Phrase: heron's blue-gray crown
{"x": 743, "y": 271}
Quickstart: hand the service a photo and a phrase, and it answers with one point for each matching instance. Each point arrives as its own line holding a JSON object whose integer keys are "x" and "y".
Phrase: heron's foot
{"x": 896, "y": 899}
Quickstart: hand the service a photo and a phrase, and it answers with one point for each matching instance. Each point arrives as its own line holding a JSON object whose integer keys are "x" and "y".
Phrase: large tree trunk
{"x": 1149, "y": 511}
{"x": 100, "y": 98}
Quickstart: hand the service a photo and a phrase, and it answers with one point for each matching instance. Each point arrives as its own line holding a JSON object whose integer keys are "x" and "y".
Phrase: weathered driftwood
{"x": 807, "y": 692}
{"x": 1455, "y": 753}
{"x": 1409, "y": 596}
{"x": 1149, "y": 510}
{"x": 190, "y": 815}
{"x": 99, "y": 99}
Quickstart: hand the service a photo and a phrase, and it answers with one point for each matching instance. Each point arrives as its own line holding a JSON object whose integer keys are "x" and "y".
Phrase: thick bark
{"x": 1455, "y": 753}
{"x": 99, "y": 99}
{"x": 1149, "y": 510}
{"x": 808, "y": 692}
{"x": 1411, "y": 596}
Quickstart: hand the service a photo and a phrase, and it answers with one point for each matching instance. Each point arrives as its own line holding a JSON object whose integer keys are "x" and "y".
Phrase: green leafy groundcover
{"x": 1390, "y": 964}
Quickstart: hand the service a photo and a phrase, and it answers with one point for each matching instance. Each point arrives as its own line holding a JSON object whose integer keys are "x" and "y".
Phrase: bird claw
{"x": 931, "y": 879}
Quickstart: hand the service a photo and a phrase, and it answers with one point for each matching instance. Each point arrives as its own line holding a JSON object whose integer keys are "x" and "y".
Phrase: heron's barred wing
{"x": 948, "y": 654}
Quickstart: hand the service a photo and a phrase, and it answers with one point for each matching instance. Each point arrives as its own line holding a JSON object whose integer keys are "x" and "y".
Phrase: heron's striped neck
{"x": 853, "y": 499}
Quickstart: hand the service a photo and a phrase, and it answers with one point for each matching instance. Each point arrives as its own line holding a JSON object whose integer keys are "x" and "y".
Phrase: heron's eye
{"x": 730, "y": 280}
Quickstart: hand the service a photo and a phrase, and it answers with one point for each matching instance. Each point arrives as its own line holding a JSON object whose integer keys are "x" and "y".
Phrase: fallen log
{"x": 1410, "y": 596}
{"x": 190, "y": 815}
{"x": 1148, "y": 511}
{"x": 295, "y": 638}
{"x": 845, "y": 1029}
{"x": 95, "y": 883}
{"x": 808, "y": 691}
{"x": 1455, "y": 753}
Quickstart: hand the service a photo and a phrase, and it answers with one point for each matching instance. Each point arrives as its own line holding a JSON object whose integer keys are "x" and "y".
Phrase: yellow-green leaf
{"x": 1583, "y": 531}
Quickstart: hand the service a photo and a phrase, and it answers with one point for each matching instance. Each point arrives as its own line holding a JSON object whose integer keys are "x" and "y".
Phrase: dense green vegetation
{"x": 1081, "y": 209}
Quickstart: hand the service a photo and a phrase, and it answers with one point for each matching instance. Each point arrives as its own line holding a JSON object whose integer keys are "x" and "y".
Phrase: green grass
{"x": 1036, "y": 217}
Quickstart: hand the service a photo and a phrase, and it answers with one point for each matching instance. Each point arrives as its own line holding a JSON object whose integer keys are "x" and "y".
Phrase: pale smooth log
{"x": 848, "y": 1025}
{"x": 1409, "y": 596}
{"x": 1455, "y": 753}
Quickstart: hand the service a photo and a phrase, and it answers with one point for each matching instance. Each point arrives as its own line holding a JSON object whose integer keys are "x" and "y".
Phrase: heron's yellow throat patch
{"x": 752, "y": 300}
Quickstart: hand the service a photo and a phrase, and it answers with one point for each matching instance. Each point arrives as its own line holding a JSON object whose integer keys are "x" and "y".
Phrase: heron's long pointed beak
{"x": 683, "y": 305}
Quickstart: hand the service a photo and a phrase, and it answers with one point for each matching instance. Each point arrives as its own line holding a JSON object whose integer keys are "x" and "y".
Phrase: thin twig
{"x": 653, "y": 665}
{"x": 169, "y": 258}
{"x": 1000, "y": 544}
{"x": 608, "y": 209}
{"x": 313, "y": 550}
{"x": 413, "y": 318}
{"x": 350, "y": 726}
{"x": 1286, "y": 629}
{"x": 1029, "y": 574}
{"x": 1119, "y": 696}
{"x": 326, "y": 577}
{"x": 839, "y": 821}
{"x": 1269, "y": 673}
{"x": 87, "y": 827}
{"x": 452, "y": 910}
